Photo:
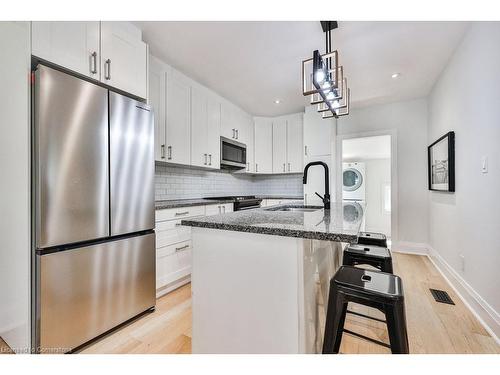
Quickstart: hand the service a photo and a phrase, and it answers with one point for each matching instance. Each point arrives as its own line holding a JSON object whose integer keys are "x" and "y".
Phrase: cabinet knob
{"x": 209, "y": 159}
{"x": 169, "y": 149}
{"x": 162, "y": 151}
{"x": 205, "y": 155}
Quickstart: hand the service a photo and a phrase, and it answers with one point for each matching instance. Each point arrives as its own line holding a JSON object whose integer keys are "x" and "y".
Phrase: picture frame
{"x": 441, "y": 163}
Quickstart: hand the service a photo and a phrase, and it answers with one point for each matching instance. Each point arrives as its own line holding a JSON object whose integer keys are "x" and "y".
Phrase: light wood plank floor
{"x": 4, "y": 348}
{"x": 432, "y": 327}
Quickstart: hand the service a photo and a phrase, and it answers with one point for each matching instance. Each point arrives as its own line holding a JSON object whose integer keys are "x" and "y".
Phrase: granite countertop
{"x": 327, "y": 225}
{"x": 161, "y": 205}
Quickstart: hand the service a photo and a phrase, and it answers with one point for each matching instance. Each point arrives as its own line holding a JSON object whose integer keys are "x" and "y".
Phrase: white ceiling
{"x": 254, "y": 63}
{"x": 366, "y": 148}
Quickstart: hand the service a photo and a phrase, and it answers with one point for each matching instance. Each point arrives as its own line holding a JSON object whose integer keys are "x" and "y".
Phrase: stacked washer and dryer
{"x": 353, "y": 191}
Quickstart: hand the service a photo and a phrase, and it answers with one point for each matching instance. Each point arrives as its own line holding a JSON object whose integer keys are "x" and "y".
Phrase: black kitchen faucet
{"x": 326, "y": 198}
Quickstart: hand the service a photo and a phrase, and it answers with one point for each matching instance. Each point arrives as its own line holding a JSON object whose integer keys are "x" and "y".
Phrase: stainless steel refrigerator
{"x": 93, "y": 210}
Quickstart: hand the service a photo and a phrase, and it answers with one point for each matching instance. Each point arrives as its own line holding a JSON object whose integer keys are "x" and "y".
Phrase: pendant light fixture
{"x": 323, "y": 79}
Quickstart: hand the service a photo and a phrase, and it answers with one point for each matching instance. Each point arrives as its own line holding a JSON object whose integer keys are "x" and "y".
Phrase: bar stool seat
{"x": 379, "y": 290}
{"x": 372, "y": 238}
{"x": 376, "y": 256}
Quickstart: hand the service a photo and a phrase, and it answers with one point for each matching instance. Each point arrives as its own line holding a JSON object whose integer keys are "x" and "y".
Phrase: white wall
{"x": 466, "y": 99}
{"x": 377, "y": 173}
{"x": 409, "y": 122}
{"x": 15, "y": 214}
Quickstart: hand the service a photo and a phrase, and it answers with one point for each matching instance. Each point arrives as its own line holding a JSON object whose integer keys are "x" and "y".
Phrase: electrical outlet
{"x": 484, "y": 164}
{"x": 462, "y": 262}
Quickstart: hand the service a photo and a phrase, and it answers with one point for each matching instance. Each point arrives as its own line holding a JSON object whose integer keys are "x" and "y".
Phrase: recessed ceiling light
{"x": 395, "y": 75}
{"x": 277, "y": 101}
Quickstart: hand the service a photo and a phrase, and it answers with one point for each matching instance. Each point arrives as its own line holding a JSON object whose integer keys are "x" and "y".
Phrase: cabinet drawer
{"x": 179, "y": 213}
{"x": 170, "y": 232}
{"x": 172, "y": 263}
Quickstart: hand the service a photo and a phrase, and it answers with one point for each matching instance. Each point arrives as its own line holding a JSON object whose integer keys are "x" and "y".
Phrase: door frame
{"x": 394, "y": 173}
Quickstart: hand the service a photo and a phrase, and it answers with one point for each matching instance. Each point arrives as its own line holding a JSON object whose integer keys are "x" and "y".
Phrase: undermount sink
{"x": 294, "y": 209}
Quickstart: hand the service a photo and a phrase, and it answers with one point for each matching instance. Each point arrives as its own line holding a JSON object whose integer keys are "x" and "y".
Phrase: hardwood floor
{"x": 432, "y": 327}
{"x": 4, "y": 348}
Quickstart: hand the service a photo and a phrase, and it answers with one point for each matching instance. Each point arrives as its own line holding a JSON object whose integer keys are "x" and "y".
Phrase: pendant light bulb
{"x": 319, "y": 76}
{"x": 330, "y": 96}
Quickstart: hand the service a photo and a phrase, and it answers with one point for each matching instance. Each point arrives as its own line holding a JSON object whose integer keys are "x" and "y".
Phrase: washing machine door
{"x": 353, "y": 212}
{"x": 351, "y": 179}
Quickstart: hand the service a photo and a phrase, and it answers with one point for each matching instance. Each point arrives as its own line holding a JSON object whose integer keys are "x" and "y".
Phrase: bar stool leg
{"x": 388, "y": 266}
{"x": 396, "y": 325}
{"x": 335, "y": 319}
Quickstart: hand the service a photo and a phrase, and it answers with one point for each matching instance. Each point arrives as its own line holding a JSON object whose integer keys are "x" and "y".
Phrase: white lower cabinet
{"x": 274, "y": 202}
{"x": 173, "y": 244}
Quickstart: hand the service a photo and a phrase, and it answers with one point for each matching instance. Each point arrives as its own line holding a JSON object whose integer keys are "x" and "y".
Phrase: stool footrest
{"x": 381, "y": 343}
{"x": 366, "y": 316}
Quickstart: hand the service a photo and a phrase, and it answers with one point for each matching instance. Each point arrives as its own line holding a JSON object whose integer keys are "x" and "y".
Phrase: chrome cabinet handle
{"x": 169, "y": 149}
{"x": 219, "y": 209}
{"x": 305, "y": 150}
{"x": 248, "y": 167}
{"x": 205, "y": 159}
{"x": 234, "y": 132}
{"x": 181, "y": 248}
{"x": 162, "y": 151}
{"x": 237, "y": 134}
{"x": 108, "y": 65}
{"x": 224, "y": 209}
{"x": 256, "y": 167}
{"x": 288, "y": 167}
{"x": 181, "y": 213}
{"x": 209, "y": 159}
{"x": 93, "y": 62}
{"x": 283, "y": 167}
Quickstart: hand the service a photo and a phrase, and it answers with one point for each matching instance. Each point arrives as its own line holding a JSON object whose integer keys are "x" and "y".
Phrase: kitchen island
{"x": 260, "y": 277}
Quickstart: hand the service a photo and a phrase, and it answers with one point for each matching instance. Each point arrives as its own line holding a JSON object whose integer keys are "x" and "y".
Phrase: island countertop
{"x": 320, "y": 224}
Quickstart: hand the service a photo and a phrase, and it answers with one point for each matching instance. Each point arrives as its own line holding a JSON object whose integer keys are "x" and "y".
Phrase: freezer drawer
{"x": 71, "y": 159}
{"x": 132, "y": 165}
{"x": 86, "y": 291}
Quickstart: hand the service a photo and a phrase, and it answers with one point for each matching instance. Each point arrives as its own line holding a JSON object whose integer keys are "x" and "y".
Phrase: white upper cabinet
{"x": 111, "y": 52}
{"x": 178, "y": 110}
{"x": 263, "y": 145}
{"x": 157, "y": 72}
{"x": 294, "y": 143}
{"x": 317, "y": 134}
{"x": 124, "y": 58}
{"x": 279, "y": 145}
{"x": 227, "y": 128}
{"x": 213, "y": 132}
{"x": 72, "y": 45}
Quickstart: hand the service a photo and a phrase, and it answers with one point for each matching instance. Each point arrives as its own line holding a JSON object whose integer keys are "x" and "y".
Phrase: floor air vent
{"x": 441, "y": 296}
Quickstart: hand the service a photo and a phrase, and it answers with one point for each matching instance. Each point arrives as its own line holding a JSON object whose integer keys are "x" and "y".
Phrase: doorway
{"x": 366, "y": 174}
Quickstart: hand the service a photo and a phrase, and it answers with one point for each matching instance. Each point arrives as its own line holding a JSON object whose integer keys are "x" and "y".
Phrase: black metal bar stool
{"x": 380, "y": 290}
{"x": 372, "y": 238}
{"x": 376, "y": 256}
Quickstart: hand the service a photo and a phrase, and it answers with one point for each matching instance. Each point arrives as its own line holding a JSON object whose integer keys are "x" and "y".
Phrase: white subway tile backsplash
{"x": 172, "y": 182}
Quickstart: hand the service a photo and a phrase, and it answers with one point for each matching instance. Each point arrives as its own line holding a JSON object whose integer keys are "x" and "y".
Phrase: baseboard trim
{"x": 172, "y": 286}
{"x": 406, "y": 247}
{"x": 485, "y": 314}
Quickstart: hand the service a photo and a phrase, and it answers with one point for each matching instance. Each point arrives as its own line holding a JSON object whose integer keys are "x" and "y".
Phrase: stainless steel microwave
{"x": 233, "y": 154}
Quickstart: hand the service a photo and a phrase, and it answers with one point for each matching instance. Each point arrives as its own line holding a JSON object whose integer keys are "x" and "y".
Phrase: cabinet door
{"x": 178, "y": 119}
{"x": 157, "y": 102}
{"x": 317, "y": 134}
{"x": 295, "y": 144}
{"x": 213, "y": 132}
{"x": 199, "y": 127}
{"x": 72, "y": 45}
{"x": 263, "y": 145}
{"x": 279, "y": 145}
{"x": 250, "y": 142}
{"x": 123, "y": 58}
{"x": 228, "y": 129}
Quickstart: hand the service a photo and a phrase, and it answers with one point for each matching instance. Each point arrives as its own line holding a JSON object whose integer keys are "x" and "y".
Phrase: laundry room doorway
{"x": 366, "y": 181}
